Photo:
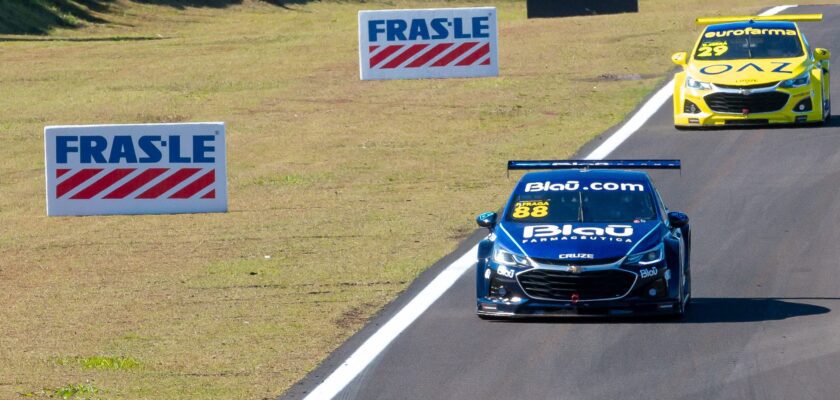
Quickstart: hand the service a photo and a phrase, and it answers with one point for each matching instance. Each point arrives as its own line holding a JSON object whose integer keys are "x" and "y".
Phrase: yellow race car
{"x": 752, "y": 71}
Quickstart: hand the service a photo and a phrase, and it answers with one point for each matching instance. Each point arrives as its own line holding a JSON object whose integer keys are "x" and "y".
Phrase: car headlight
{"x": 505, "y": 257}
{"x": 799, "y": 81}
{"x": 695, "y": 84}
{"x": 648, "y": 257}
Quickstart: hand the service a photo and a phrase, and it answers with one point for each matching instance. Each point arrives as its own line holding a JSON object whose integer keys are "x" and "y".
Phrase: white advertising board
{"x": 429, "y": 43}
{"x": 136, "y": 169}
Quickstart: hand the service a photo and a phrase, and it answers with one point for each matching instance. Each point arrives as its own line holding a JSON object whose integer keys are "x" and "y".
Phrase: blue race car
{"x": 584, "y": 238}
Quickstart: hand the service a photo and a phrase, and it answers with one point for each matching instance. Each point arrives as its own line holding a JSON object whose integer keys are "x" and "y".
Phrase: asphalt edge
{"x": 302, "y": 388}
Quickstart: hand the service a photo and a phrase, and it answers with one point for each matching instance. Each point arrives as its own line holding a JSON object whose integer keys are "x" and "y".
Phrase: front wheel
{"x": 685, "y": 300}
{"x": 685, "y": 285}
{"x": 826, "y": 110}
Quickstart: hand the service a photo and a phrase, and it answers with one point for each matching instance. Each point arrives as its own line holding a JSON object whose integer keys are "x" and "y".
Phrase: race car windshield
{"x": 582, "y": 206}
{"x": 749, "y": 43}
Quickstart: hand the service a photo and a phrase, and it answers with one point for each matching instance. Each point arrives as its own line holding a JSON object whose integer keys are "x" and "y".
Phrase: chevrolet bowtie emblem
{"x": 574, "y": 269}
{"x": 745, "y": 91}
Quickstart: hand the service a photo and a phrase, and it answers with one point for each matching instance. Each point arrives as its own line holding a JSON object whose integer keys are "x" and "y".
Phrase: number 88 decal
{"x": 521, "y": 212}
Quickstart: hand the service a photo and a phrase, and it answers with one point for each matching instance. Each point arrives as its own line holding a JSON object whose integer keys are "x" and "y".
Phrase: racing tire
{"x": 685, "y": 299}
{"x": 682, "y": 309}
{"x": 826, "y": 111}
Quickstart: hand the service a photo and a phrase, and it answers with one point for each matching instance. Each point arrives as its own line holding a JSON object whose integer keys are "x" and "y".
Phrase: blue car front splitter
{"x": 527, "y": 308}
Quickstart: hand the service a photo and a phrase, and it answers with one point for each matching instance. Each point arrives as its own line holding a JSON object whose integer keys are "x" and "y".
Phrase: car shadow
{"x": 833, "y": 122}
{"x": 721, "y": 310}
{"x": 709, "y": 310}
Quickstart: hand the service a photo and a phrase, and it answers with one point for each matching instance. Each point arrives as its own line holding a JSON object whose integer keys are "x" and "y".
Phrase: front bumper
{"x": 507, "y": 296}
{"x": 705, "y": 116}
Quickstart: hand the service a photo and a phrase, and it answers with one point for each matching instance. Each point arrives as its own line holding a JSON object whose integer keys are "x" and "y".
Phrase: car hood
{"x": 579, "y": 241}
{"x": 747, "y": 72}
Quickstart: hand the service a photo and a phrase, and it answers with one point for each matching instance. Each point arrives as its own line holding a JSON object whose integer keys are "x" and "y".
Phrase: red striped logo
{"x": 135, "y": 183}
{"x": 463, "y": 54}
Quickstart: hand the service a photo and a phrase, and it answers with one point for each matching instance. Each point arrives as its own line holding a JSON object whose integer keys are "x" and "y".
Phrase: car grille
{"x": 559, "y": 285}
{"x": 736, "y": 103}
{"x": 756, "y": 86}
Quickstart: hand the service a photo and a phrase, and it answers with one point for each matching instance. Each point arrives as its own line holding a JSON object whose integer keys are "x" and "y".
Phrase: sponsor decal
{"x": 552, "y": 233}
{"x": 576, "y": 256}
{"x": 749, "y": 31}
{"x": 135, "y": 169}
{"x": 530, "y": 209}
{"x": 717, "y": 69}
{"x": 549, "y": 186}
{"x": 707, "y": 49}
{"x": 428, "y": 43}
{"x": 648, "y": 272}
{"x": 504, "y": 271}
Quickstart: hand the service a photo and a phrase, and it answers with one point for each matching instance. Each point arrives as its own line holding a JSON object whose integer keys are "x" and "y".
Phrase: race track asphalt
{"x": 765, "y": 319}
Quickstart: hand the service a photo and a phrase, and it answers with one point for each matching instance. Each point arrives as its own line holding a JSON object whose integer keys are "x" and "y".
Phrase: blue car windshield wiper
{"x": 580, "y": 207}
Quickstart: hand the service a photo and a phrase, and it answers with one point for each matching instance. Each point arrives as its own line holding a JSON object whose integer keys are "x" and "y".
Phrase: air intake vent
{"x": 735, "y": 103}
{"x": 559, "y": 285}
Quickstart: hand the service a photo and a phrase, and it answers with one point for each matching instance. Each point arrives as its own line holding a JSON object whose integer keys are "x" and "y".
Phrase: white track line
{"x": 776, "y": 10}
{"x": 635, "y": 122}
{"x": 376, "y": 343}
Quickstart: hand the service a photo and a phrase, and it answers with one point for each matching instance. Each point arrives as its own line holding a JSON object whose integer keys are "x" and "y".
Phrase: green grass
{"x": 102, "y": 362}
{"x": 341, "y": 191}
{"x": 78, "y": 391}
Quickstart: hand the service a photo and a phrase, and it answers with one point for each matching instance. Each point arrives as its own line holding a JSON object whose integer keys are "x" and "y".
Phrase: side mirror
{"x": 677, "y": 219}
{"x": 487, "y": 220}
{"x": 680, "y": 58}
{"x": 821, "y": 54}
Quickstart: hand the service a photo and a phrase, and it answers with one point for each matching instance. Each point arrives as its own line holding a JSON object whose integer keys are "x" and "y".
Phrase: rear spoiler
{"x": 592, "y": 164}
{"x": 788, "y": 18}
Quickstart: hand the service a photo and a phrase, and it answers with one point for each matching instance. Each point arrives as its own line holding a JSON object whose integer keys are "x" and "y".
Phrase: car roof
{"x": 586, "y": 175}
{"x": 752, "y": 24}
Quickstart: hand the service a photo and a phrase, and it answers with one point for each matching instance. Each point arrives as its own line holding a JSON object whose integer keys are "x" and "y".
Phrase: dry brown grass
{"x": 341, "y": 191}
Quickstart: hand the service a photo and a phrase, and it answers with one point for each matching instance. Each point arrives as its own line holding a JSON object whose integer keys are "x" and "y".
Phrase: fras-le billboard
{"x": 430, "y": 43}
{"x": 136, "y": 169}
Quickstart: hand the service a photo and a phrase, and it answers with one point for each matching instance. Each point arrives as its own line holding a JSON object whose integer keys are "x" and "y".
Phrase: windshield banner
{"x": 549, "y": 186}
